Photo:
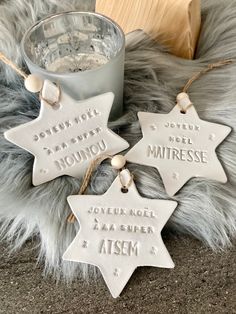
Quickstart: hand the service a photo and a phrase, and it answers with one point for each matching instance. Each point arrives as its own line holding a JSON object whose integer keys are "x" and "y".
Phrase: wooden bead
{"x": 118, "y": 162}
{"x": 33, "y": 83}
{"x": 182, "y": 96}
{"x": 183, "y": 100}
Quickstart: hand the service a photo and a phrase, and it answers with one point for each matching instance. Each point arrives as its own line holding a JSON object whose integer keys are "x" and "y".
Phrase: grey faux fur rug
{"x": 207, "y": 210}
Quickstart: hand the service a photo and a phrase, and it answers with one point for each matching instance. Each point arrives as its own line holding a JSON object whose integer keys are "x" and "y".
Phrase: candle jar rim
{"x": 71, "y": 74}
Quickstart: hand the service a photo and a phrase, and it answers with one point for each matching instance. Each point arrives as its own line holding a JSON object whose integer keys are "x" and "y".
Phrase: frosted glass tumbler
{"x": 82, "y": 51}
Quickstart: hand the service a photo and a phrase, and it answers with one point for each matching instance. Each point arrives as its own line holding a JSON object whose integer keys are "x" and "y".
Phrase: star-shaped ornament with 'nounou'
{"x": 67, "y": 136}
{"x": 181, "y": 146}
{"x": 119, "y": 232}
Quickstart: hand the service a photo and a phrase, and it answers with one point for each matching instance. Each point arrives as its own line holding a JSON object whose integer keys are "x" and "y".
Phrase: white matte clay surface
{"x": 181, "y": 146}
{"x": 66, "y": 137}
{"x": 119, "y": 232}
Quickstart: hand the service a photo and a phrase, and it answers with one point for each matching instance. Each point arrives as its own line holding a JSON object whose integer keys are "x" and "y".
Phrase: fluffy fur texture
{"x": 207, "y": 209}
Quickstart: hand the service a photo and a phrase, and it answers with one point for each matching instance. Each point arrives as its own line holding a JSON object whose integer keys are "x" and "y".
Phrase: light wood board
{"x": 175, "y": 23}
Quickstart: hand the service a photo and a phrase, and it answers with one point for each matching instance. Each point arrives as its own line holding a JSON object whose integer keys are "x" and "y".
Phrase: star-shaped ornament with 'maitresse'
{"x": 119, "y": 232}
{"x": 67, "y": 136}
{"x": 180, "y": 145}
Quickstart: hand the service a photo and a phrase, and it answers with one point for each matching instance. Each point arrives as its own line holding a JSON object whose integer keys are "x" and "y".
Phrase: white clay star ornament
{"x": 180, "y": 145}
{"x": 120, "y": 232}
{"x": 68, "y": 134}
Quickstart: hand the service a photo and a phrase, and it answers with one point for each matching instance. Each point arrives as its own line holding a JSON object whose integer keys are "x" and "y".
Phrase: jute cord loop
{"x": 49, "y": 102}
{"x": 86, "y": 180}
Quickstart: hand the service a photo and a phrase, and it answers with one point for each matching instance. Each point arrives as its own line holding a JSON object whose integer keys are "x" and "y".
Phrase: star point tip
{"x": 174, "y": 204}
{"x": 35, "y": 180}
{"x": 8, "y": 135}
{"x": 109, "y": 95}
{"x": 171, "y": 265}
{"x": 224, "y": 179}
{"x": 229, "y": 130}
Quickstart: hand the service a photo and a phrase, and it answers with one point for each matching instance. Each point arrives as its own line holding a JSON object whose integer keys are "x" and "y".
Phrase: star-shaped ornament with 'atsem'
{"x": 67, "y": 136}
{"x": 119, "y": 232}
{"x": 181, "y": 146}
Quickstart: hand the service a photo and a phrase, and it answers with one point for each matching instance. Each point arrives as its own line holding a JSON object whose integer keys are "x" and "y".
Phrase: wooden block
{"x": 174, "y": 23}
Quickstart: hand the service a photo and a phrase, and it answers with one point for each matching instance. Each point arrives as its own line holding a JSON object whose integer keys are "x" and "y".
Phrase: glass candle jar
{"x": 82, "y": 51}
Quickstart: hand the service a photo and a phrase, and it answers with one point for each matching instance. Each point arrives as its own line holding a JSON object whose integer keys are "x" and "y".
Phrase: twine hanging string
{"x": 87, "y": 177}
{"x": 183, "y": 100}
{"x": 7, "y": 61}
{"x": 204, "y": 71}
{"x": 86, "y": 180}
{"x": 125, "y": 187}
{"x": 50, "y": 102}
